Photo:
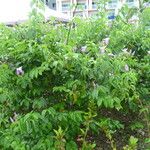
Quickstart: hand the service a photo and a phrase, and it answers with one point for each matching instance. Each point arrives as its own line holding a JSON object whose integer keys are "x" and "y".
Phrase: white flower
{"x": 102, "y": 50}
{"x": 148, "y": 52}
{"x": 11, "y": 119}
{"x": 126, "y": 67}
{"x": 111, "y": 74}
{"x": 111, "y": 55}
{"x": 133, "y": 53}
{"x": 125, "y": 50}
{"x": 83, "y": 48}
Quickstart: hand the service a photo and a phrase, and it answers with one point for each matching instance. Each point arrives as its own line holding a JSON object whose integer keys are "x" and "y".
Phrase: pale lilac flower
{"x": 106, "y": 41}
{"x": 125, "y": 50}
{"x": 83, "y": 48}
{"x": 19, "y": 71}
{"x": 102, "y": 50}
{"x": 126, "y": 67}
{"x": 146, "y": 5}
{"x": 11, "y": 119}
{"x": 111, "y": 55}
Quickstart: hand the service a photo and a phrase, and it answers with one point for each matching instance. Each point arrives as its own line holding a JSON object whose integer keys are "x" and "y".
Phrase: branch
{"x": 70, "y": 27}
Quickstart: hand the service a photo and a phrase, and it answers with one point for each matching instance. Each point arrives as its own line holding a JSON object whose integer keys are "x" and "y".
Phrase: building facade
{"x": 87, "y": 8}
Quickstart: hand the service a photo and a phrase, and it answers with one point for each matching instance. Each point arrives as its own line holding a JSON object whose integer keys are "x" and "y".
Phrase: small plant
{"x": 109, "y": 127}
{"x": 89, "y": 119}
{"x": 132, "y": 144}
{"x": 60, "y": 140}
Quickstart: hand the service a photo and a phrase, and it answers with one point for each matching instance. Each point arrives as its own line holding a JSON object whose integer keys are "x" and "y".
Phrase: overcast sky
{"x": 18, "y": 10}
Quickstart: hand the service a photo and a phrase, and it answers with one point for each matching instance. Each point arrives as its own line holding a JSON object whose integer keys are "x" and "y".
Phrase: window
{"x": 111, "y": 15}
{"x": 54, "y": 5}
{"x": 65, "y": 6}
{"x": 94, "y": 5}
{"x": 130, "y": 3}
{"x": 112, "y": 4}
{"x": 81, "y": 6}
{"x": 79, "y": 14}
{"x": 94, "y": 15}
{"x": 50, "y": 4}
{"x": 46, "y": 2}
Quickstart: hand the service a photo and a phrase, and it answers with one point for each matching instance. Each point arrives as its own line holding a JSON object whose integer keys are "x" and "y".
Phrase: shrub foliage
{"x": 54, "y": 87}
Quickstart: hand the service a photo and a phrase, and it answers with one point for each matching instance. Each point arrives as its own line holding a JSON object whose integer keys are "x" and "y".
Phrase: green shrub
{"x": 52, "y": 93}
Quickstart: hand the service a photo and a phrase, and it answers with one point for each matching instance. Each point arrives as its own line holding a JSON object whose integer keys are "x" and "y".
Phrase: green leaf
{"x": 108, "y": 102}
{"x": 99, "y": 102}
{"x": 71, "y": 146}
{"x": 147, "y": 140}
{"x": 133, "y": 141}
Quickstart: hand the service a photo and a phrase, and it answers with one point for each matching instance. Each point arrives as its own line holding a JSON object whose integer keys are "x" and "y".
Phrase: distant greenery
{"x": 57, "y": 91}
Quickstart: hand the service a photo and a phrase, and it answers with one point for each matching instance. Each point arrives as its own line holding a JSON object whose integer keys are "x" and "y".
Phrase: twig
{"x": 70, "y": 26}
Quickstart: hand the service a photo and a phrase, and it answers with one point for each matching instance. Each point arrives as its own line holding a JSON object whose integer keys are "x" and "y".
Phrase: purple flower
{"x": 19, "y": 71}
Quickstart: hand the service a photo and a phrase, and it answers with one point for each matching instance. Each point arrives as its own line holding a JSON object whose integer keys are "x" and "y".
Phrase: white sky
{"x": 12, "y": 11}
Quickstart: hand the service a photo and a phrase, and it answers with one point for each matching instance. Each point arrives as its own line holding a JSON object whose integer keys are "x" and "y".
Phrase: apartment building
{"x": 87, "y": 8}
{"x": 50, "y": 3}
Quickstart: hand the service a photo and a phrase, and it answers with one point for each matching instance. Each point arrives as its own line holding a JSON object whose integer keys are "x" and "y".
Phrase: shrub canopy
{"x": 56, "y": 82}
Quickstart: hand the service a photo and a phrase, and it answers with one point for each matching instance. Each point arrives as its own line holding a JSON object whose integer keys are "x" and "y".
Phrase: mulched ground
{"x": 121, "y": 138}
